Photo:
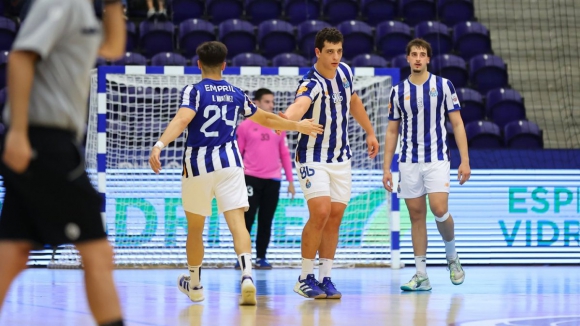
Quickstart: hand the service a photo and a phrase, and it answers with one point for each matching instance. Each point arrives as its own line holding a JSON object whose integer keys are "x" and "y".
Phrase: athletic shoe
{"x": 237, "y": 265}
{"x": 195, "y": 294}
{"x": 328, "y": 287}
{"x": 262, "y": 263}
{"x": 309, "y": 288}
{"x": 456, "y": 273}
{"x": 248, "y": 290}
{"x": 418, "y": 282}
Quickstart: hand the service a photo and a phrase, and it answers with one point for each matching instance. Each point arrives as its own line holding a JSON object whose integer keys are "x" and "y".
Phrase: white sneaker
{"x": 248, "y": 290}
{"x": 195, "y": 294}
{"x": 456, "y": 273}
{"x": 418, "y": 282}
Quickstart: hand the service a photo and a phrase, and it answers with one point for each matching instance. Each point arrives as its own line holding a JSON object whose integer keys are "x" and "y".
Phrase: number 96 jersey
{"x": 211, "y": 135}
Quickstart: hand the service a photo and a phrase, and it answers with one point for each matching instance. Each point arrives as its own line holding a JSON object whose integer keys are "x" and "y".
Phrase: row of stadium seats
{"x": 520, "y": 134}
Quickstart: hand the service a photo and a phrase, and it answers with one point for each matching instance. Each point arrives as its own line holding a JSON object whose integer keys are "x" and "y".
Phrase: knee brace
{"x": 442, "y": 218}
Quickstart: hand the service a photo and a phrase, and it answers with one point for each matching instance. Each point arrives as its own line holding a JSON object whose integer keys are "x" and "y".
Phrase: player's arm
{"x": 452, "y": 107}
{"x": 391, "y": 137}
{"x": 358, "y": 112}
{"x": 298, "y": 109}
{"x": 273, "y": 121}
{"x": 113, "y": 46}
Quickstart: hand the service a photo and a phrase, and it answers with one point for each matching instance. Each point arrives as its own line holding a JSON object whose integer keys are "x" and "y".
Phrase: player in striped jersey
{"x": 213, "y": 166}
{"x": 421, "y": 102}
{"x": 326, "y": 94}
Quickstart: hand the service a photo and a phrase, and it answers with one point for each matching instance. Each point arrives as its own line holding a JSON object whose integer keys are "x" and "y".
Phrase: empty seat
{"x": 504, "y": 105}
{"x": 416, "y": 11}
{"x": 377, "y": 11}
{"x": 238, "y": 35}
{"x": 276, "y": 36}
{"x": 369, "y": 60}
{"x": 222, "y": 10}
{"x": 400, "y": 62}
{"x": 132, "y": 37}
{"x": 437, "y": 34}
{"x": 358, "y": 38}
{"x": 193, "y": 61}
{"x": 262, "y": 10}
{"x": 470, "y": 39}
{"x": 289, "y": 60}
{"x": 187, "y": 9}
{"x": 483, "y": 135}
{"x": 487, "y": 72}
{"x": 298, "y": 11}
{"x": 523, "y": 134}
{"x": 192, "y": 33}
{"x": 452, "y": 12}
{"x": 306, "y": 33}
{"x": 451, "y": 67}
{"x": 392, "y": 38}
{"x": 249, "y": 59}
{"x": 338, "y": 11}
{"x": 168, "y": 59}
{"x": 472, "y": 108}
{"x": 7, "y": 33}
{"x": 155, "y": 37}
{"x": 131, "y": 59}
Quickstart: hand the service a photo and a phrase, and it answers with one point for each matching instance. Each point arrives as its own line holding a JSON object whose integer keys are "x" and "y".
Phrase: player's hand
{"x": 154, "y": 161}
{"x": 372, "y": 146}
{"x": 388, "y": 180}
{"x": 17, "y": 151}
{"x": 309, "y": 128}
{"x": 463, "y": 173}
{"x": 282, "y": 115}
{"x": 291, "y": 189}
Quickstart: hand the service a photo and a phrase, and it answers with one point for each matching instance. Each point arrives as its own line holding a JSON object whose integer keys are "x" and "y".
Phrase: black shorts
{"x": 53, "y": 202}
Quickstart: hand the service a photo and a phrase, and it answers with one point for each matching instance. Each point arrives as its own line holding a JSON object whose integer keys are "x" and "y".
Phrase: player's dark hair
{"x": 212, "y": 54}
{"x": 328, "y": 34}
{"x": 420, "y": 43}
{"x": 261, "y": 92}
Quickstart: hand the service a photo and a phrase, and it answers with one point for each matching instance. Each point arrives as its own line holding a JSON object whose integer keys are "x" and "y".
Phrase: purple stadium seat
{"x": 131, "y": 59}
{"x": 193, "y": 61}
{"x": 338, "y": 11}
{"x": 7, "y": 33}
{"x": 451, "y": 67}
{"x": 437, "y": 34}
{"x": 450, "y": 136}
{"x": 358, "y": 38}
{"x": 523, "y": 134}
{"x": 472, "y": 108}
{"x": 132, "y": 37}
{"x": 193, "y": 32}
{"x": 400, "y": 61}
{"x": 276, "y": 36}
{"x": 452, "y": 12}
{"x": 156, "y": 37}
{"x": 483, "y": 135}
{"x": 416, "y": 11}
{"x": 289, "y": 60}
{"x": 369, "y": 60}
{"x": 238, "y": 35}
{"x": 504, "y": 105}
{"x": 377, "y": 11}
{"x": 392, "y": 38}
{"x": 470, "y": 39}
{"x": 262, "y": 10}
{"x": 299, "y": 11}
{"x": 168, "y": 59}
{"x": 487, "y": 72}
{"x": 187, "y": 9}
{"x": 306, "y": 34}
{"x": 3, "y": 62}
{"x": 222, "y": 10}
{"x": 249, "y": 59}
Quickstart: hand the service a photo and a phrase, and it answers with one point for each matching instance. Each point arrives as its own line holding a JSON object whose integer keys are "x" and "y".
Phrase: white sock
{"x": 195, "y": 276}
{"x": 421, "y": 264}
{"x": 307, "y": 267}
{"x": 246, "y": 264}
{"x": 450, "y": 251}
{"x": 324, "y": 268}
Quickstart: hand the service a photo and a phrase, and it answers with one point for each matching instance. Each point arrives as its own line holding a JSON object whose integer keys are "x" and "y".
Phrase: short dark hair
{"x": 261, "y": 92}
{"x": 420, "y": 43}
{"x": 212, "y": 54}
{"x": 328, "y": 34}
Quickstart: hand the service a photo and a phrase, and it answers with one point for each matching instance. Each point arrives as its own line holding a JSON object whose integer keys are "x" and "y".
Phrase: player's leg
{"x": 13, "y": 259}
{"x": 255, "y": 187}
{"x": 268, "y": 205}
{"x": 150, "y": 9}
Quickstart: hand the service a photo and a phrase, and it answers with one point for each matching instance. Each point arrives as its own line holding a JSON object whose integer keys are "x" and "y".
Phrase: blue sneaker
{"x": 309, "y": 288}
{"x": 328, "y": 287}
{"x": 262, "y": 263}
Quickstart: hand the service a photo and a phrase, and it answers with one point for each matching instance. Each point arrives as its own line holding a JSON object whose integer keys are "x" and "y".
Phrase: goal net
{"x": 130, "y": 108}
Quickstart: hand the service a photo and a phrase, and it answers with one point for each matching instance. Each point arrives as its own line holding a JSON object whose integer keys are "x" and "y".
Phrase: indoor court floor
{"x": 491, "y": 295}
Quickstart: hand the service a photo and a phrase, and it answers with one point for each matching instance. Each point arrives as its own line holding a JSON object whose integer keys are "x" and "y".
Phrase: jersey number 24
{"x": 213, "y": 113}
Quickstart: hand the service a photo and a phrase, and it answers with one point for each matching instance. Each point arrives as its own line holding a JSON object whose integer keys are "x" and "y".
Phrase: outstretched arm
{"x": 464, "y": 171}
{"x": 296, "y": 110}
{"x": 359, "y": 113}
{"x": 273, "y": 121}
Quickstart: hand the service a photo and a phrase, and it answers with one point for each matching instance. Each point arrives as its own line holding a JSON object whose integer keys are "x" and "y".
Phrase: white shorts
{"x": 418, "y": 179}
{"x": 325, "y": 179}
{"x": 227, "y": 185}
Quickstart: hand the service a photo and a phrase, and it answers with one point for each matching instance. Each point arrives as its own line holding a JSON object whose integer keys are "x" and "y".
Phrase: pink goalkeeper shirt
{"x": 263, "y": 151}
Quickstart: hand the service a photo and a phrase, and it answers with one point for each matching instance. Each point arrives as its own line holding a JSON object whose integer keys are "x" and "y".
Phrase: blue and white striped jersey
{"x": 330, "y": 107}
{"x": 422, "y": 109}
{"x": 211, "y": 135}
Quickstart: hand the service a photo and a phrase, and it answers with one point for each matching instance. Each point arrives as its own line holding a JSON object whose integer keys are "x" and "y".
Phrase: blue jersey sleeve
{"x": 394, "y": 109}
{"x": 450, "y": 100}
{"x": 189, "y": 98}
{"x": 308, "y": 87}
{"x": 249, "y": 107}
